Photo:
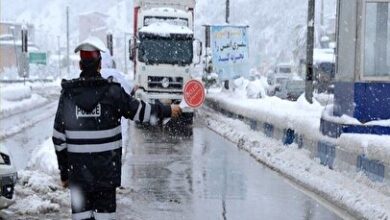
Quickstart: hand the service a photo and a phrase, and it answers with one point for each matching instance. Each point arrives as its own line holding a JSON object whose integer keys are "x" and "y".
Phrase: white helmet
{"x": 91, "y": 44}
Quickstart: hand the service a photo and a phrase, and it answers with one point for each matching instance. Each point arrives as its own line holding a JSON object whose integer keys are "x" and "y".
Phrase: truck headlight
{"x": 165, "y": 82}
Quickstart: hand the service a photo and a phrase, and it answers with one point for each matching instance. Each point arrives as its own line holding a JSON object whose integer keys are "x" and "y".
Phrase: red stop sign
{"x": 194, "y": 94}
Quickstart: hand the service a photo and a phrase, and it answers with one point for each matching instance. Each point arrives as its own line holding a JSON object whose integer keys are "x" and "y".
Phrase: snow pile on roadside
{"x": 257, "y": 88}
{"x": 300, "y": 115}
{"x": 38, "y": 181}
{"x": 16, "y": 98}
{"x": 44, "y": 159}
{"x": 349, "y": 193}
{"x": 39, "y": 189}
{"x": 39, "y": 193}
{"x": 47, "y": 86}
{"x": 33, "y": 204}
{"x": 8, "y": 108}
{"x": 15, "y": 93}
{"x": 248, "y": 89}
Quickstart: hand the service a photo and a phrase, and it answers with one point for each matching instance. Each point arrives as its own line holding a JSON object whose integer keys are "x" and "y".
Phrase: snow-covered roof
{"x": 165, "y": 29}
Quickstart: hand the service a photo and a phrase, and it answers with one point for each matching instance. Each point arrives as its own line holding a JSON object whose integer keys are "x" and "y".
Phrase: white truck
{"x": 163, "y": 49}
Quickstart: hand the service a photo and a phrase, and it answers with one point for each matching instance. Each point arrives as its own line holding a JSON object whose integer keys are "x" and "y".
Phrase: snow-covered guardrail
{"x": 300, "y": 123}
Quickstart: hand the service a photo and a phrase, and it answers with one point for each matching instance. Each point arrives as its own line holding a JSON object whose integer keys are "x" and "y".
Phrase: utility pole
{"x": 110, "y": 44}
{"x": 67, "y": 41}
{"x": 125, "y": 55}
{"x": 226, "y": 83}
{"x": 59, "y": 57}
{"x": 322, "y": 13}
{"x": 227, "y": 11}
{"x": 24, "y": 40}
{"x": 309, "y": 51}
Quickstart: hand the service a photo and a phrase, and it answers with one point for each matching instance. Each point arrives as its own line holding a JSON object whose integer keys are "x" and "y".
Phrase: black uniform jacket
{"x": 87, "y": 130}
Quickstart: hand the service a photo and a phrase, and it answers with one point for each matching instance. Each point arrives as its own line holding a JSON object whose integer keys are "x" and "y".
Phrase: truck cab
{"x": 163, "y": 49}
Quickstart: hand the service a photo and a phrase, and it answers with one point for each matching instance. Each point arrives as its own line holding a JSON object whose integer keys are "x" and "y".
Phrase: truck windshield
{"x": 160, "y": 50}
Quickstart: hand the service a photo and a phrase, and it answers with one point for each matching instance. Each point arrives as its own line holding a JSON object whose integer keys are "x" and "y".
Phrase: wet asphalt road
{"x": 188, "y": 173}
{"x": 204, "y": 176}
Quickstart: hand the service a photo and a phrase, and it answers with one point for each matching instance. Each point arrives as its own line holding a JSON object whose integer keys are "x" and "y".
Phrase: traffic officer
{"x": 87, "y": 134}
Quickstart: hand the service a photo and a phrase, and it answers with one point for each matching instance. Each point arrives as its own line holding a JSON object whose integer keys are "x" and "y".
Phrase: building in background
{"x": 93, "y": 24}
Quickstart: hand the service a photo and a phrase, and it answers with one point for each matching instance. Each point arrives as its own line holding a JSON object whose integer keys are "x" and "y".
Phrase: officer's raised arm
{"x": 140, "y": 111}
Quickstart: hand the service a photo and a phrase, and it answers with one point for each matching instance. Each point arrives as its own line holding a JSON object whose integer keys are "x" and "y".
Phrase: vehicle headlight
{"x": 5, "y": 159}
{"x": 165, "y": 82}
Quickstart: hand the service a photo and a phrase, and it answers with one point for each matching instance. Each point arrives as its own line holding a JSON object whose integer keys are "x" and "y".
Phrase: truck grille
{"x": 155, "y": 82}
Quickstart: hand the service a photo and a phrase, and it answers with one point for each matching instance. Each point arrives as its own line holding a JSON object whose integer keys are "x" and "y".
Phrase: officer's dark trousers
{"x": 99, "y": 205}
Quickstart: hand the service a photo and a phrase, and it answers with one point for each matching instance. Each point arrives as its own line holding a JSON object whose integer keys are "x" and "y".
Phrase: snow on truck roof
{"x": 164, "y": 10}
{"x": 183, "y": 4}
{"x": 165, "y": 29}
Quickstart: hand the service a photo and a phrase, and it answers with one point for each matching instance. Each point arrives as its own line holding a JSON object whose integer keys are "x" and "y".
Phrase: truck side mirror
{"x": 199, "y": 47}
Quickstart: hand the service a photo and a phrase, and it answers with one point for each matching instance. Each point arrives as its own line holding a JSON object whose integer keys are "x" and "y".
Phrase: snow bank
{"x": 44, "y": 159}
{"x": 350, "y": 192}
{"x": 39, "y": 189}
{"x": 15, "y": 93}
{"x": 39, "y": 181}
{"x": 8, "y": 108}
{"x": 300, "y": 115}
{"x": 33, "y": 204}
{"x": 257, "y": 88}
{"x": 304, "y": 119}
{"x": 17, "y": 97}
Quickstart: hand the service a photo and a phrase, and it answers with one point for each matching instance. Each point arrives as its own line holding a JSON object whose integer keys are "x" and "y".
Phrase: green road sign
{"x": 37, "y": 58}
